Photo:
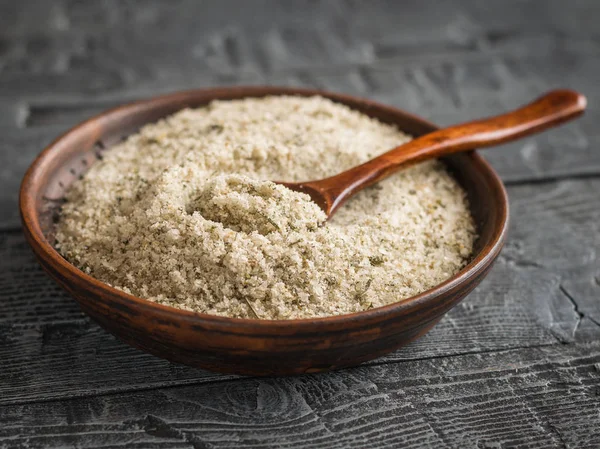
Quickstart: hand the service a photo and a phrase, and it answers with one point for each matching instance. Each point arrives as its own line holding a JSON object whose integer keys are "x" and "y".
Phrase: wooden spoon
{"x": 551, "y": 109}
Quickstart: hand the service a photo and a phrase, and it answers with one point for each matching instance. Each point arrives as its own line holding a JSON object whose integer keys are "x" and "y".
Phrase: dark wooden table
{"x": 517, "y": 364}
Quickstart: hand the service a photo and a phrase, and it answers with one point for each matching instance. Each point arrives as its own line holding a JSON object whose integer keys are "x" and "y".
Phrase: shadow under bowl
{"x": 244, "y": 346}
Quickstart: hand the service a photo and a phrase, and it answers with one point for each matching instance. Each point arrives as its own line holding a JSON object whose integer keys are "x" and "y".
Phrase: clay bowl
{"x": 245, "y": 346}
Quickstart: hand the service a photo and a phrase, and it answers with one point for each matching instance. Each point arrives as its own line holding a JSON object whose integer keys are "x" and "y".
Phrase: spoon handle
{"x": 551, "y": 109}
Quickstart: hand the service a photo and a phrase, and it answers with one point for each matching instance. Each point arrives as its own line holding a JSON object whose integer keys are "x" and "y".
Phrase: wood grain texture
{"x": 530, "y": 398}
{"x": 511, "y": 367}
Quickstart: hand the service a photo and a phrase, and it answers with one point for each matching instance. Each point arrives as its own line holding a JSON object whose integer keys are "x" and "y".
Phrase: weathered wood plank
{"x": 541, "y": 292}
{"x": 17, "y": 149}
{"x": 528, "y": 398}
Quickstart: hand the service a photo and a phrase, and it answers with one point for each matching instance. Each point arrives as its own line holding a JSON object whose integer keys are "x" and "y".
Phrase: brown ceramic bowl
{"x": 245, "y": 346}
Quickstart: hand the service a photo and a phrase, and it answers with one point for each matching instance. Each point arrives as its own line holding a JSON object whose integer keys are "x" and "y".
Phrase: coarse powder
{"x": 183, "y": 213}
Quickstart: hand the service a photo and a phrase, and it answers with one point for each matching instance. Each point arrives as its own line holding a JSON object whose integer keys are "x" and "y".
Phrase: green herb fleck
{"x": 376, "y": 261}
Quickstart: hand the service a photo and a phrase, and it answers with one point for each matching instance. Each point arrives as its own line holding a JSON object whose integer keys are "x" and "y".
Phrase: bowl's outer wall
{"x": 248, "y": 346}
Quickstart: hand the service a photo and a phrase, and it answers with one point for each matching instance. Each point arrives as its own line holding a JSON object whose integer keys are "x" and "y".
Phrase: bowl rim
{"x": 44, "y": 250}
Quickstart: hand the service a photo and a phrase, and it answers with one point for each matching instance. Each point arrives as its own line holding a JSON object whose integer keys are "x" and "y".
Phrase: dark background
{"x": 517, "y": 364}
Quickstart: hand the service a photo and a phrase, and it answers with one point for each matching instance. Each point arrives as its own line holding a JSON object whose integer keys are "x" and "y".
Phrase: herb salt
{"x": 183, "y": 214}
